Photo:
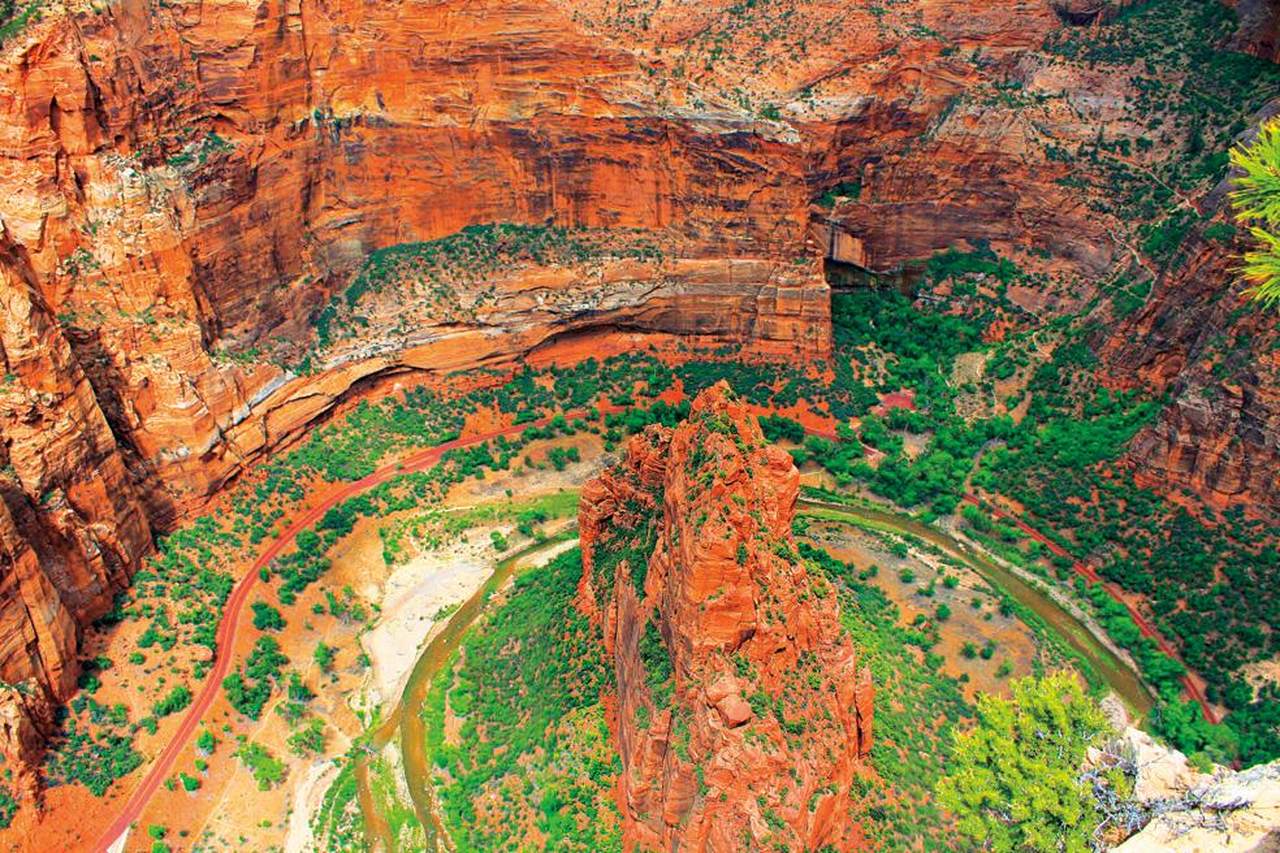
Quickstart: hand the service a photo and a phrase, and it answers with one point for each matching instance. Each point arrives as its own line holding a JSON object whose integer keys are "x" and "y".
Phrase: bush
{"x": 267, "y": 770}
{"x": 266, "y": 617}
{"x": 1022, "y": 758}
{"x": 309, "y": 739}
{"x": 177, "y": 699}
{"x": 324, "y": 657}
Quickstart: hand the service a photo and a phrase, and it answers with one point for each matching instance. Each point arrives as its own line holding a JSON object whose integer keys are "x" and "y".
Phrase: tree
{"x": 1257, "y": 200}
{"x": 266, "y": 617}
{"x": 324, "y": 657}
{"x": 176, "y": 699}
{"x": 1014, "y": 779}
{"x": 267, "y": 770}
{"x": 309, "y": 739}
{"x": 206, "y": 742}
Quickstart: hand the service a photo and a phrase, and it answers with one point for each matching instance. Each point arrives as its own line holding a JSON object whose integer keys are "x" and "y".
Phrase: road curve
{"x": 1088, "y": 573}
{"x": 226, "y": 636}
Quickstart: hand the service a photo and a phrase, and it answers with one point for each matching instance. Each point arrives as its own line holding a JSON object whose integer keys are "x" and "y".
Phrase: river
{"x": 1114, "y": 671}
{"x": 406, "y": 718}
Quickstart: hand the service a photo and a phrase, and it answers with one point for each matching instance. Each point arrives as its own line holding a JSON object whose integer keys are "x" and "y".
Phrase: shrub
{"x": 266, "y": 617}
{"x": 1022, "y": 758}
{"x": 266, "y": 769}
{"x": 176, "y": 699}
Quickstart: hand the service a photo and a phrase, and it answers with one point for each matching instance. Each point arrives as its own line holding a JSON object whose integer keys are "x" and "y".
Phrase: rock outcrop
{"x": 742, "y": 717}
{"x": 1218, "y": 364}
{"x": 181, "y": 188}
{"x": 1182, "y": 810}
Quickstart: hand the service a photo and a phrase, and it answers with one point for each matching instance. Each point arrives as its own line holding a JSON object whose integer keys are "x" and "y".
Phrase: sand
{"x": 308, "y": 792}
{"x": 414, "y": 595}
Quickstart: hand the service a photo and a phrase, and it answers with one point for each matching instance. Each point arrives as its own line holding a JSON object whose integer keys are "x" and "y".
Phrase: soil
{"x": 1015, "y": 642}
{"x": 229, "y": 810}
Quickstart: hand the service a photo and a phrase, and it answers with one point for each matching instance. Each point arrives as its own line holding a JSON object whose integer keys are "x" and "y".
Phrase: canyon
{"x": 185, "y": 189}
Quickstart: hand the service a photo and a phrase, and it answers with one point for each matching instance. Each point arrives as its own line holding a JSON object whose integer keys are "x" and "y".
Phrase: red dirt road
{"x": 227, "y": 627}
{"x": 226, "y": 636}
{"x": 1088, "y": 573}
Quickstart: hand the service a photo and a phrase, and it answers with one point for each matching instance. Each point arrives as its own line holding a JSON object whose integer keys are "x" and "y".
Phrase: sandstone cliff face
{"x": 1197, "y": 340}
{"x": 741, "y": 714}
{"x": 183, "y": 187}
{"x": 72, "y": 528}
{"x": 182, "y": 184}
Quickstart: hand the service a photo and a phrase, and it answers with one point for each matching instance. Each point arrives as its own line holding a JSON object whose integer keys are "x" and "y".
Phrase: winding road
{"x": 1088, "y": 573}
{"x": 163, "y": 764}
{"x": 227, "y": 628}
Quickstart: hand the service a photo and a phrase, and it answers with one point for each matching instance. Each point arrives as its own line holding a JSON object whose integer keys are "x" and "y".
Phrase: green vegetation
{"x": 249, "y": 690}
{"x": 911, "y": 732}
{"x": 402, "y": 822}
{"x": 309, "y": 739}
{"x": 206, "y": 743}
{"x": 1192, "y": 94}
{"x": 1257, "y": 200}
{"x": 1197, "y": 570}
{"x": 175, "y": 700}
{"x": 268, "y": 771}
{"x": 323, "y": 657}
{"x": 338, "y": 821}
{"x": 8, "y": 807}
{"x": 1014, "y": 781}
{"x": 266, "y": 617}
{"x": 533, "y": 741}
{"x": 14, "y": 20}
{"x": 94, "y": 747}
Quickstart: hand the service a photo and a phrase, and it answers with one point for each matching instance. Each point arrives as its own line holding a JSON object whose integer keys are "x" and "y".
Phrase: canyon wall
{"x": 741, "y": 714}
{"x": 1216, "y": 359}
{"x": 184, "y": 188}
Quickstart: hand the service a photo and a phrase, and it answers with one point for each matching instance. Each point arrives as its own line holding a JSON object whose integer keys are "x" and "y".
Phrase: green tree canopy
{"x": 1257, "y": 203}
{"x": 1014, "y": 780}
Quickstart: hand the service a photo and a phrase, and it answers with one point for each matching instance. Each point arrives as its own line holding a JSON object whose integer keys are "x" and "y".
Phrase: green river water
{"x": 407, "y": 722}
{"x": 406, "y": 719}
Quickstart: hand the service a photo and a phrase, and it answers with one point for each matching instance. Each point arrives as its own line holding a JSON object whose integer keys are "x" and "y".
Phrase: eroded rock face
{"x": 742, "y": 716}
{"x": 179, "y": 183}
{"x": 1188, "y": 811}
{"x": 182, "y": 186}
{"x": 1197, "y": 340}
{"x": 72, "y": 527}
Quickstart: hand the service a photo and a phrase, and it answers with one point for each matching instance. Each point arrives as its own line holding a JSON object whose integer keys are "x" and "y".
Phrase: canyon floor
{"x": 635, "y": 425}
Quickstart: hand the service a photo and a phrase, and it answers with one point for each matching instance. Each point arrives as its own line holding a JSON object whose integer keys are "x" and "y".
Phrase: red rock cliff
{"x": 180, "y": 183}
{"x": 177, "y": 183}
{"x": 741, "y": 714}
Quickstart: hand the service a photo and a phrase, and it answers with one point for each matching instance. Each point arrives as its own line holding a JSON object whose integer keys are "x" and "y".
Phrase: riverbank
{"x": 1085, "y": 639}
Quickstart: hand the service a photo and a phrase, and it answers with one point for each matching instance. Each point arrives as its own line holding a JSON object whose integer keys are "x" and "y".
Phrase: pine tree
{"x": 1257, "y": 204}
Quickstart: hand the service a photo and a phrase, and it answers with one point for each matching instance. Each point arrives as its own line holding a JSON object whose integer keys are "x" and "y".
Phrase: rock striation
{"x": 185, "y": 187}
{"x": 741, "y": 714}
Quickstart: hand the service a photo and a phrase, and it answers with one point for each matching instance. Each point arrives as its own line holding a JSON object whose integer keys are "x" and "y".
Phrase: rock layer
{"x": 183, "y": 187}
{"x": 742, "y": 717}
{"x": 186, "y": 184}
